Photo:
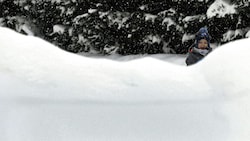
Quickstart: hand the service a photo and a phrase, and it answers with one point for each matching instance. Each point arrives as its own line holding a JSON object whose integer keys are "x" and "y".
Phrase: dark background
{"x": 124, "y": 26}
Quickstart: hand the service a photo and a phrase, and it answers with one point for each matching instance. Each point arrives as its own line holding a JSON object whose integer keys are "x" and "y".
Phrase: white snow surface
{"x": 150, "y": 17}
{"x": 60, "y": 29}
{"x": 1, "y": 21}
{"x": 187, "y": 37}
{"x": 49, "y": 94}
{"x": 248, "y": 34}
{"x": 220, "y": 8}
{"x": 193, "y": 18}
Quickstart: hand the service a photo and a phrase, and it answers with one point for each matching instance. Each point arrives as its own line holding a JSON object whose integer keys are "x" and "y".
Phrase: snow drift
{"x": 49, "y": 94}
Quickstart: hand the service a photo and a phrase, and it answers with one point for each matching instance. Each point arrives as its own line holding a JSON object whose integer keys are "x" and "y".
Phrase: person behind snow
{"x": 201, "y": 48}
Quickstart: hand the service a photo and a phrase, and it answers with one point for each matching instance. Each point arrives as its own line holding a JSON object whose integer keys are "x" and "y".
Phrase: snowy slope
{"x": 48, "y": 94}
{"x": 77, "y": 75}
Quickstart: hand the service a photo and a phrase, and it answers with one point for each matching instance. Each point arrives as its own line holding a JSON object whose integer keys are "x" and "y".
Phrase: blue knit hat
{"x": 202, "y": 34}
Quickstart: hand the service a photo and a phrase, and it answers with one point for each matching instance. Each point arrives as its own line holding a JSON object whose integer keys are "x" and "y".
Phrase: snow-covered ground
{"x": 220, "y": 8}
{"x": 49, "y": 94}
{"x": 178, "y": 59}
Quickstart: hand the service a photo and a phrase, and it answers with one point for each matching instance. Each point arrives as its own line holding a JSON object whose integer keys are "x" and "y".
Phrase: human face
{"x": 202, "y": 44}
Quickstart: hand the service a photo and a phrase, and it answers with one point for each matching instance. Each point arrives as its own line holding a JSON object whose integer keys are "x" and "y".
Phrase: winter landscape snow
{"x": 49, "y": 94}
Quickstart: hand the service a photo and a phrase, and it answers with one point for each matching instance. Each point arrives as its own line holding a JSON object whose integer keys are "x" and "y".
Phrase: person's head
{"x": 202, "y": 39}
{"x": 202, "y": 44}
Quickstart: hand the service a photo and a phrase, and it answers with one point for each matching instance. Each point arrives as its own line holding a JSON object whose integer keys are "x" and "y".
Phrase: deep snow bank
{"x": 48, "y": 94}
{"x": 50, "y": 72}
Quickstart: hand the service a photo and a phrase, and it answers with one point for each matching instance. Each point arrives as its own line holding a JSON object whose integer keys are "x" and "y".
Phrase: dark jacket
{"x": 195, "y": 55}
